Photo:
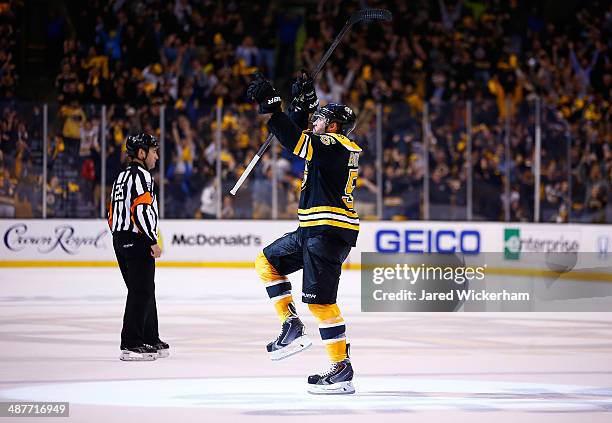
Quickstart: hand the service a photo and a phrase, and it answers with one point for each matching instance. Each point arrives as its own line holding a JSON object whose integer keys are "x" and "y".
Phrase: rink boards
{"x": 234, "y": 243}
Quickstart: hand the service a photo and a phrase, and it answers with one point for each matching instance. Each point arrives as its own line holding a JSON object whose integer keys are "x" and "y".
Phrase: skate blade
{"x": 132, "y": 356}
{"x": 163, "y": 353}
{"x": 298, "y": 345}
{"x": 340, "y": 388}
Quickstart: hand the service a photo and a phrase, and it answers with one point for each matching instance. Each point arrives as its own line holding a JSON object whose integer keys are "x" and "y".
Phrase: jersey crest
{"x": 327, "y": 140}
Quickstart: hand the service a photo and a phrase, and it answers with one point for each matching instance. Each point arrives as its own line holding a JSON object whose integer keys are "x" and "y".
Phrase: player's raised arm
{"x": 304, "y": 100}
{"x": 317, "y": 145}
{"x": 286, "y": 130}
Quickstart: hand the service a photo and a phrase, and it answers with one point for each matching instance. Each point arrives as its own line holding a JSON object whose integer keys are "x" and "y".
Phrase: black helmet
{"x": 339, "y": 113}
{"x": 144, "y": 141}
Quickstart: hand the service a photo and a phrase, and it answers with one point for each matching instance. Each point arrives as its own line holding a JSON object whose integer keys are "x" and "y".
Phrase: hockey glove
{"x": 304, "y": 95}
{"x": 262, "y": 91}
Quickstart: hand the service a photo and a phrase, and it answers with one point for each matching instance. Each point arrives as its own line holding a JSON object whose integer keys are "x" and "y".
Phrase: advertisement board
{"x": 235, "y": 243}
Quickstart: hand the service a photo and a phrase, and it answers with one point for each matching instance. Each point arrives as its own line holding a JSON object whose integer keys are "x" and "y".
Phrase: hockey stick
{"x": 358, "y": 16}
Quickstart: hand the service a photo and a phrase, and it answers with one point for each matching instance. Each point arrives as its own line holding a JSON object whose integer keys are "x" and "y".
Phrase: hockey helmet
{"x": 339, "y": 113}
{"x": 144, "y": 141}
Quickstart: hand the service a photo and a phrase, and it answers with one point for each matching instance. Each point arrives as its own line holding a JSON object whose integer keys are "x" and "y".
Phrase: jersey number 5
{"x": 350, "y": 187}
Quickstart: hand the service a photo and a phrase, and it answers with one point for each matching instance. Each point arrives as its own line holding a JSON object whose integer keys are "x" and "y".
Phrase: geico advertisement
{"x": 423, "y": 237}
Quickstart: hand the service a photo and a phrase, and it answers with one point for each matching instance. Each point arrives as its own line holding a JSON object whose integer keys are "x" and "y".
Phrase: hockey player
{"x": 132, "y": 218}
{"x": 328, "y": 226}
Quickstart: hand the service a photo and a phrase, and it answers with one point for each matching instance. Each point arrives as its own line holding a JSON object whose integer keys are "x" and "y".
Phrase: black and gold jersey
{"x": 330, "y": 174}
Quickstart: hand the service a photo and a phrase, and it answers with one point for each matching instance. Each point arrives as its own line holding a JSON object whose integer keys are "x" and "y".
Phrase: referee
{"x": 132, "y": 218}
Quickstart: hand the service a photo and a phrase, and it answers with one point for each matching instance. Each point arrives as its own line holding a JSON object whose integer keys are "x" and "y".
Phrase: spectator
{"x": 208, "y": 207}
{"x": 262, "y": 195}
{"x": 7, "y": 194}
{"x": 247, "y": 52}
{"x": 266, "y": 43}
{"x": 192, "y": 56}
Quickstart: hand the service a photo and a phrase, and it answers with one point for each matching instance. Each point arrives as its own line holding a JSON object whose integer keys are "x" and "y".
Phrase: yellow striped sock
{"x": 337, "y": 350}
{"x": 331, "y": 327}
{"x": 282, "y": 308}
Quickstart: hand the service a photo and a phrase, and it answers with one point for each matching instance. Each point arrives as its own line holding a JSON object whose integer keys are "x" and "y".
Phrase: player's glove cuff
{"x": 311, "y": 101}
{"x": 304, "y": 94}
{"x": 270, "y": 105}
{"x": 262, "y": 91}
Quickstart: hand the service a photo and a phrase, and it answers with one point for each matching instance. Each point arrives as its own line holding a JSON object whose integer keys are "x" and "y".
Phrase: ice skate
{"x": 291, "y": 340}
{"x": 337, "y": 380}
{"x": 163, "y": 349}
{"x": 143, "y": 352}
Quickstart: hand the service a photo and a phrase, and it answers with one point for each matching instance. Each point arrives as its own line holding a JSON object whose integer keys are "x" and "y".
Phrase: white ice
{"x": 59, "y": 336}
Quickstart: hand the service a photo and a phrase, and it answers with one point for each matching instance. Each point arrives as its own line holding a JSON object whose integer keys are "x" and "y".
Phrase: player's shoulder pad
{"x": 331, "y": 138}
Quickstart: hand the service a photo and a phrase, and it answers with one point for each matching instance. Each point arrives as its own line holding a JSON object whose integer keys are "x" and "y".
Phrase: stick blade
{"x": 372, "y": 15}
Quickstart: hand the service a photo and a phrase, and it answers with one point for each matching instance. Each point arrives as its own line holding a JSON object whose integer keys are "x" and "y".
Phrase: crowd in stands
{"x": 190, "y": 57}
{"x": 9, "y": 33}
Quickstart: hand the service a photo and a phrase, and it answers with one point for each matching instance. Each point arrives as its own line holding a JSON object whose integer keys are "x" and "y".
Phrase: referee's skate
{"x": 162, "y": 348}
{"x": 141, "y": 353}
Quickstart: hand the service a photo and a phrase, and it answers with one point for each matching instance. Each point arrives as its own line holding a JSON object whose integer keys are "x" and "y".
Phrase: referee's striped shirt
{"x": 133, "y": 205}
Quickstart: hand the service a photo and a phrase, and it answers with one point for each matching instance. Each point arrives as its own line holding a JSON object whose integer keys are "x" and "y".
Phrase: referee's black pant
{"x": 137, "y": 267}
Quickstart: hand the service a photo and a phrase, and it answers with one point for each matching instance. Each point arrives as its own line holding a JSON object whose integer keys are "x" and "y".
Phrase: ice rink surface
{"x": 59, "y": 341}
